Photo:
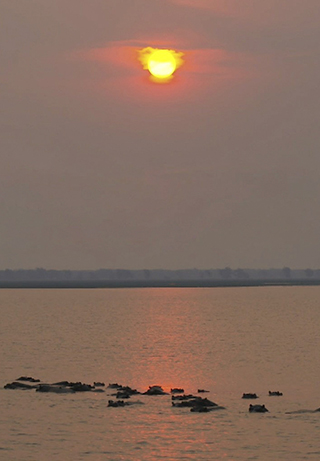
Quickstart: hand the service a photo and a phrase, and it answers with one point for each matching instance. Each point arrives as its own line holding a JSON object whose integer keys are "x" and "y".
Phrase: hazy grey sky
{"x": 102, "y": 168}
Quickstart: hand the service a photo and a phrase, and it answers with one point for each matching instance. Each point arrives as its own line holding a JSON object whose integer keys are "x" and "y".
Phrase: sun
{"x": 161, "y": 63}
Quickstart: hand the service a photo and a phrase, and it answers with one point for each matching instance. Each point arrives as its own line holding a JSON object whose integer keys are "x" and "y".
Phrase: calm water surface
{"x": 227, "y": 340}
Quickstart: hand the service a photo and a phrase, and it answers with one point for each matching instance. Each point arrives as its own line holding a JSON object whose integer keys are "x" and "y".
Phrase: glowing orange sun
{"x": 160, "y": 63}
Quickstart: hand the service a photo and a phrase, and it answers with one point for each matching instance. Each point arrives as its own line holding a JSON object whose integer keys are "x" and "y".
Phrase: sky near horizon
{"x": 102, "y": 168}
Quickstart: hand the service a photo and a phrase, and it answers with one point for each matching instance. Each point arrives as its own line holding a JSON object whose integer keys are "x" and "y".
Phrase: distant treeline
{"x": 160, "y": 276}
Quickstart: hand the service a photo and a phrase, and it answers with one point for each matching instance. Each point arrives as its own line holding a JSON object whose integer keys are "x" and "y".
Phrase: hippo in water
{"x": 121, "y": 403}
{"x": 155, "y": 390}
{"x": 55, "y": 389}
{"x": 183, "y": 397}
{"x": 123, "y": 392}
{"x": 257, "y": 409}
{"x": 65, "y": 387}
{"x": 275, "y": 393}
{"x": 202, "y": 409}
{"x": 117, "y": 403}
{"x": 18, "y": 385}
{"x": 177, "y": 390}
{"x": 249, "y": 395}
{"x": 114, "y": 386}
{"x": 122, "y": 395}
{"x": 196, "y": 402}
{"x": 29, "y": 379}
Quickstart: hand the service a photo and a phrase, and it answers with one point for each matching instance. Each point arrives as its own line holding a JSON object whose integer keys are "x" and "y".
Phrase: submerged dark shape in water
{"x": 257, "y": 409}
{"x": 98, "y": 384}
{"x": 202, "y": 391}
{"x": 155, "y": 390}
{"x": 249, "y": 395}
{"x": 275, "y": 393}
{"x": 299, "y": 412}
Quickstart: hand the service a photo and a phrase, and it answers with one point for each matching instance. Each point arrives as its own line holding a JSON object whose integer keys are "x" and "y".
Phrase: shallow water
{"x": 226, "y": 340}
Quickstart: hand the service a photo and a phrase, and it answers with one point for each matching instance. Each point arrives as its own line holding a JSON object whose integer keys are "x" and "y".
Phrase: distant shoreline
{"x": 90, "y": 284}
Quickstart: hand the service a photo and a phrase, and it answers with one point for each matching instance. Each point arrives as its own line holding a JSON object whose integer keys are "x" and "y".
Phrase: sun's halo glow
{"x": 161, "y": 63}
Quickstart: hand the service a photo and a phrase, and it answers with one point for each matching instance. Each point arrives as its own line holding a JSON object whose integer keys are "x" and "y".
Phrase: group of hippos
{"x": 124, "y": 393}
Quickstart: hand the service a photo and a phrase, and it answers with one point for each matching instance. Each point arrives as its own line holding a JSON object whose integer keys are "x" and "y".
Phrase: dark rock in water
{"x": 18, "y": 385}
{"x": 257, "y": 409}
{"x": 249, "y": 395}
{"x": 275, "y": 393}
{"x": 177, "y": 390}
{"x": 155, "y": 390}
{"x": 29, "y": 379}
{"x": 202, "y": 391}
{"x": 98, "y": 384}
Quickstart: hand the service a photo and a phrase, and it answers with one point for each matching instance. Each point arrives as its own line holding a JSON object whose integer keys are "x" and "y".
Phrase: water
{"x": 226, "y": 340}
